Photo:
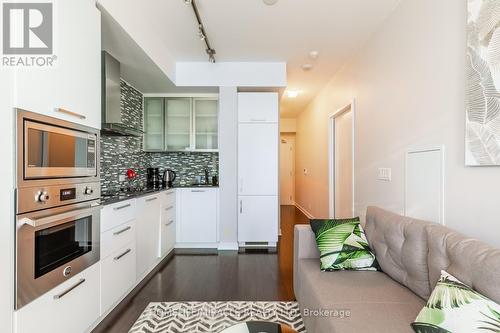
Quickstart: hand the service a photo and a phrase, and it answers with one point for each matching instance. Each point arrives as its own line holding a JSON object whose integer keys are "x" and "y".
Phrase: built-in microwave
{"x": 55, "y": 149}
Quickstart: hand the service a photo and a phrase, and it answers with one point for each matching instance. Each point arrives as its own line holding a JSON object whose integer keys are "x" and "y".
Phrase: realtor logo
{"x": 28, "y": 30}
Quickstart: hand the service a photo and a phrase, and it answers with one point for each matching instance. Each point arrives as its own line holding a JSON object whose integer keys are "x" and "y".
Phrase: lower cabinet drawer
{"x": 118, "y": 274}
{"x": 72, "y": 306}
{"x": 116, "y": 238}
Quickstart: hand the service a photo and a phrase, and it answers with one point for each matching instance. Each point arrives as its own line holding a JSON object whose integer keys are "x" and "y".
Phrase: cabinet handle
{"x": 169, "y": 223}
{"x": 198, "y": 191}
{"x": 257, "y": 119}
{"x": 122, "y": 255}
{"x": 169, "y": 208}
{"x": 71, "y": 113}
{"x": 122, "y": 207}
{"x": 61, "y": 295}
{"x": 241, "y": 206}
{"x": 122, "y": 231}
{"x": 151, "y": 199}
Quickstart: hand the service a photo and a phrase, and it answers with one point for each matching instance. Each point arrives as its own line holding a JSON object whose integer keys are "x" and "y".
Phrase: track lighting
{"x": 201, "y": 31}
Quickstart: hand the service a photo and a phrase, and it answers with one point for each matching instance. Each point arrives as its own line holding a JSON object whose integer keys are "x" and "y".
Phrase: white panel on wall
{"x": 424, "y": 184}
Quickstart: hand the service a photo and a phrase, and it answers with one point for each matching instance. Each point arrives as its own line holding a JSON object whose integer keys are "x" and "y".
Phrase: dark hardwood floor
{"x": 225, "y": 277}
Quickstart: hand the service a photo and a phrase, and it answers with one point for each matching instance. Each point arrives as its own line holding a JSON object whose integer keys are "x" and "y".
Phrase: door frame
{"x": 286, "y": 136}
{"x": 351, "y": 106}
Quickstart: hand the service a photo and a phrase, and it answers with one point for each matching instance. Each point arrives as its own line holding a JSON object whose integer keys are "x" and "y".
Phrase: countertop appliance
{"x": 168, "y": 178}
{"x": 112, "y": 123}
{"x": 153, "y": 178}
{"x": 57, "y": 203}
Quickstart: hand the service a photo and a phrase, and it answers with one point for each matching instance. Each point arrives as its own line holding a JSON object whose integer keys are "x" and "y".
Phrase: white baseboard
{"x": 228, "y": 246}
{"x": 303, "y": 210}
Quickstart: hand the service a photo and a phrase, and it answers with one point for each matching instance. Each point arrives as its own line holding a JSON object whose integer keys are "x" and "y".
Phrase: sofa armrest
{"x": 304, "y": 247}
{"x": 304, "y": 243}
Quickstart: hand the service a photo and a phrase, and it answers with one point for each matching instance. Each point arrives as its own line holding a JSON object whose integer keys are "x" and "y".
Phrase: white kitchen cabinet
{"x": 181, "y": 124}
{"x": 198, "y": 215}
{"x": 148, "y": 222}
{"x": 257, "y": 220}
{"x": 73, "y": 84}
{"x": 258, "y": 168}
{"x": 167, "y": 224}
{"x": 258, "y": 107}
{"x": 118, "y": 213}
{"x": 73, "y": 306}
{"x": 258, "y": 154}
{"x": 118, "y": 275}
{"x": 205, "y": 128}
{"x": 154, "y": 123}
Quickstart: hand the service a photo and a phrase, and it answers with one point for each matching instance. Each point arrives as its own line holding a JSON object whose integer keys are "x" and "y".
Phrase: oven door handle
{"x": 35, "y": 223}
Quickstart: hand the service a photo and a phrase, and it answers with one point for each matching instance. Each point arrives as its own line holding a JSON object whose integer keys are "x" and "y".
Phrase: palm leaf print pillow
{"x": 343, "y": 246}
{"x": 454, "y": 307}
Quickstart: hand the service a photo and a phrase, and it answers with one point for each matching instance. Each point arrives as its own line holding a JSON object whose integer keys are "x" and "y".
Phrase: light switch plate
{"x": 385, "y": 174}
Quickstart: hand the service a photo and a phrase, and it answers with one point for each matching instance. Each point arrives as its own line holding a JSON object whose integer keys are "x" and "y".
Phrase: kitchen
{"x": 112, "y": 179}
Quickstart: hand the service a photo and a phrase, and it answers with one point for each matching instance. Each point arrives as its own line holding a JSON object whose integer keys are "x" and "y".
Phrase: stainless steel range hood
{"x": 111, "y": 107}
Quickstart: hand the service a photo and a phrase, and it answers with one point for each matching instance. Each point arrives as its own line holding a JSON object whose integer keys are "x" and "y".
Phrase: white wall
{"x": 228, "y": 168}
{"x": 240, "y": 74}
{"x": 409, "y": 85}
{"x": 288, "y": 125}
{"x": 6, "y": 202}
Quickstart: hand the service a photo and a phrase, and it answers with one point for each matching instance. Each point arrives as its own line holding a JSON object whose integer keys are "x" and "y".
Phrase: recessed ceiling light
{"x": 313, "y": 54}
{"x": 292, "y": 93}
{"x": 307, "y": 67}
{"x": 270, "y": 2}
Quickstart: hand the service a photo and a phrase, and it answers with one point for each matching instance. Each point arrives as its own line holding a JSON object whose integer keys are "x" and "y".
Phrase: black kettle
{"x": 168, "y": 178}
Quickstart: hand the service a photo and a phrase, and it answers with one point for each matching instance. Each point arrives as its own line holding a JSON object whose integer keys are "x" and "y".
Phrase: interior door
{"x": 343, "y": 152}
{"x": 287, "y": 177}
{"x": 258, "y": 159}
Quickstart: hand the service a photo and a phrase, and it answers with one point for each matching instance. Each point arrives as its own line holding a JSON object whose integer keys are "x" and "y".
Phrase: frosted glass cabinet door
{"x": 206, "y": 124}
{"x": 153, "y": 124}
{"x": 177, "y": 123}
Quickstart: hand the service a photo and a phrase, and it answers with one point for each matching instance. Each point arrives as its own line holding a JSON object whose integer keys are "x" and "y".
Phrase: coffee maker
{"x": 153, "y": 178}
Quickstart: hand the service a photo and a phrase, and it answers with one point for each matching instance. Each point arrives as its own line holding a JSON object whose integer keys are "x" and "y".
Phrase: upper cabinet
{"x": 71, "y": 89}
{"x": 258, "y": 108}
{"x": 181, "y": 124}
{"x": 205, "y": 124}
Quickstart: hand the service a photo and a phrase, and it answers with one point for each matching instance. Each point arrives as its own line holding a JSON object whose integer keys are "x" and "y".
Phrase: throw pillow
{"x": 343, "y": 246}
{"x": 454, "y": 307}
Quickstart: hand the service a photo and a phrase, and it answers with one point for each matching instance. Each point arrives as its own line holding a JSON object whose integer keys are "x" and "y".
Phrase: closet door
{"x": 258, "y": 159}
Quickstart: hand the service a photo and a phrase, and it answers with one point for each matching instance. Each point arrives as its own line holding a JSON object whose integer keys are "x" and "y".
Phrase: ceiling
{"x": 136, "y": 66}
{"x": 249, "y": 30}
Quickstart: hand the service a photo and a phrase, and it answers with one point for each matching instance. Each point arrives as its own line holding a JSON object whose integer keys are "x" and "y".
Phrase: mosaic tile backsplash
{"x": 120, "y": 153}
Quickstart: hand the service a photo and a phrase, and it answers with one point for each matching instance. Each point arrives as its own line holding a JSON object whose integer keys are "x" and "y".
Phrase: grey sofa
{"x": 411, "y": 253}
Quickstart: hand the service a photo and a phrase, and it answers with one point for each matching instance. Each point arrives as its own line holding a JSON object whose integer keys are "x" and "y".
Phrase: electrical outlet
{"x": 121, "y": 178}
{"x": 385, "y": 174}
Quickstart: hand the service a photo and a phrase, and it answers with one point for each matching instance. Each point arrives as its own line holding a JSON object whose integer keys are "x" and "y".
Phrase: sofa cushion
{"x": 400, "y": 245}
{"x": 455, "y": 307}
{"x": 343, "y": 245}
{"x": 374, "y": 301}
{"x": 471, "y": 261}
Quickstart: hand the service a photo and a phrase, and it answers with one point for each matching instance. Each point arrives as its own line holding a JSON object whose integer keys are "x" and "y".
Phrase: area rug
{"x": 213, "y": 317}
